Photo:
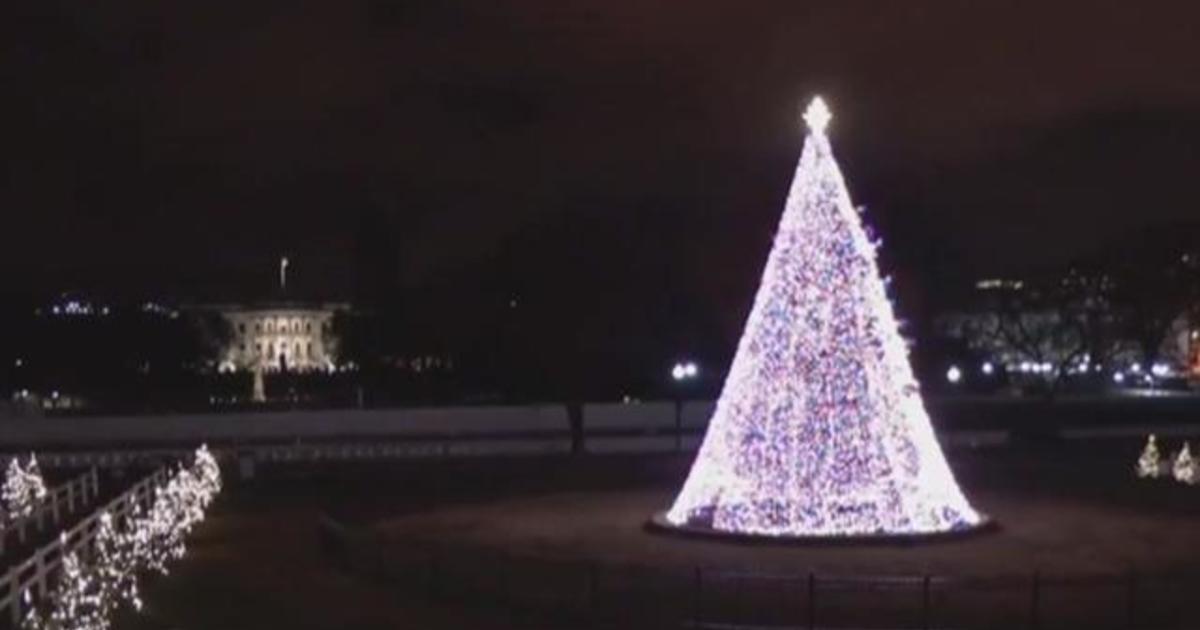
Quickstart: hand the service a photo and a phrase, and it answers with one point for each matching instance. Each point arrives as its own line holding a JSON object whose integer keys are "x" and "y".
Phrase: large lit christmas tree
{"x": 820, "y": 430}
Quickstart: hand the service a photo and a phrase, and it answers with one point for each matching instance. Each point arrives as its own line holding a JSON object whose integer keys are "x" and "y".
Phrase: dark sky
{"x": 181, "y": 146}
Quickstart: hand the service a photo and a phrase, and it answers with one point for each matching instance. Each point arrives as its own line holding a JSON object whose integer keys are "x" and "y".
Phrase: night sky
{"x": 181, "y": 147}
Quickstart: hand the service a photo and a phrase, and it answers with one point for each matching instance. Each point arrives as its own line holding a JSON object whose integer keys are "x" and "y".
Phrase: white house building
{"x": 281, "y": 336}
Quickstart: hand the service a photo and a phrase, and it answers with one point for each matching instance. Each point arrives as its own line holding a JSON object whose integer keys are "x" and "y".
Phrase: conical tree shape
{"x": 820, "y": 430}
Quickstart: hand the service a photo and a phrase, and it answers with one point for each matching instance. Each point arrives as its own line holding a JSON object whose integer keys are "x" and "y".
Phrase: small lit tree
{"x": 23, "y": 488}
{"x": 1147, "y": 463}
{"x": 34, "y": 480}
{"x": 1184, "y": 468}
{"x": 157, "y": 536}
{"x": 14, "y": 493}
{"x": 76, "y": 603}
{"x": 115, "y": 566}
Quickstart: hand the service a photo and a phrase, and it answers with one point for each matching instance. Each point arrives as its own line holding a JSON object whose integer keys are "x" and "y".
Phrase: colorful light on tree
{"x": 820, "y": 430}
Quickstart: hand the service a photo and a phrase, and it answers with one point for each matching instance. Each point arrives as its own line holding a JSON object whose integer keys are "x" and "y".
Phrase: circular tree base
{"x": 658, "y": 523}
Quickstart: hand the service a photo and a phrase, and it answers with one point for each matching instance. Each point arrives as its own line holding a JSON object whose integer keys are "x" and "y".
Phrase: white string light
{"x": 23, "y": 489}
{"x": 1148, "y": 462}
{"x": 820, "y": 429}
{"x": 87, "y": 594}
{"x": 1184, "y": 468}
{"x": 76, "y": 603}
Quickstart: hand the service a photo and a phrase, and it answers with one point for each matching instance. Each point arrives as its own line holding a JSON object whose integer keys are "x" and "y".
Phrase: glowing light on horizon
{"x": 954, "y": 375}
{"x": 820, "y": 429}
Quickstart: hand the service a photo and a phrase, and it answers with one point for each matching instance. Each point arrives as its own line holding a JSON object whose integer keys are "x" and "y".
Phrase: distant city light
{"x": 18, "y": 362}
{"x": 954, "y": 375}
{"x": 1135, "y": 368}
{"x": 1160, "y": 370}
{"x": 1118, "y": 377}
{"x": 999, "y": 283}
{"x": 988, "y": 368}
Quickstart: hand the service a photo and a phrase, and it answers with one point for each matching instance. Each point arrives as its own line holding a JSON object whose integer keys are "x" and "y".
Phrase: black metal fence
{"x": 614, "y": 594}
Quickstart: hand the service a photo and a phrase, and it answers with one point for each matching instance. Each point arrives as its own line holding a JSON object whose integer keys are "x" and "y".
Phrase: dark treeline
{"x": 499, "y": 332}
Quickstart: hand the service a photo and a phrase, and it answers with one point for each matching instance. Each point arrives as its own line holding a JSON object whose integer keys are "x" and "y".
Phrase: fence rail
{"x": 60, "y": 502}
{"x": 651, "y": 426}
{"x": 37, "y": 571}
{"x": 612, "y": 594}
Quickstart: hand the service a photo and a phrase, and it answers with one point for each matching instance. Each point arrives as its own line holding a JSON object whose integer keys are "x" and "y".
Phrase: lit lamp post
{"x": 954, "y": 375}
{"x": 682, "y": 373}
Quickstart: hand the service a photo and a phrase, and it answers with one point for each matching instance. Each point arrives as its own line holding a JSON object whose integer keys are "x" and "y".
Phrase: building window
{"x": 270, "y": 327}
{"x": 241, "y": 347}
{"x": 308, "y": 349}
{"x": 242, "y": 327}
{"x": 308, "y": 327}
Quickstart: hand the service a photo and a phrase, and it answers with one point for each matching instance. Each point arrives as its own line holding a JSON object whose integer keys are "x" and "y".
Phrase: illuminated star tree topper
{"x": 820, "y": 430}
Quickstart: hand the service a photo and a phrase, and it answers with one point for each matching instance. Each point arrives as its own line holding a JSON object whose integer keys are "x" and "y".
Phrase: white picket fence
{"x": 37, "y": 572}
{"x": 60, "y": 502}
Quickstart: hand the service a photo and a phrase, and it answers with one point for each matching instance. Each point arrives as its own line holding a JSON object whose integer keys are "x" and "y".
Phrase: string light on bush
{"x": 76, "y": 603}
{"x": 87, "y": 594}
{"x": 820, "y": 430}
{"x": 23, "y": 489}
{"x": 14, "y": 493}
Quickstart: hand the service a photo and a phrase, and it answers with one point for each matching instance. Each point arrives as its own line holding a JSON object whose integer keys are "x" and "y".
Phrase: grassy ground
{"x": 1061, "y": 513}
{"x": 1065, "y": 510}
{"x": 255, "y": 565}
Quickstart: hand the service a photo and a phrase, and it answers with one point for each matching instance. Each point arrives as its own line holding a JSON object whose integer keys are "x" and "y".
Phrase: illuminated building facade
{"x": 281, "y": 336}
